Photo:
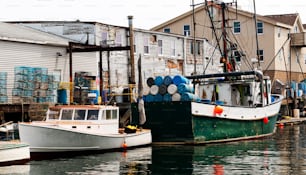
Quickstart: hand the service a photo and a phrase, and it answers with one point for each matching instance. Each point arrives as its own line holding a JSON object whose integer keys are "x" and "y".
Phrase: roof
{"x": 284, "y": 18}
{"x": 267, "y": 19}
{"x": 18, "y": 33}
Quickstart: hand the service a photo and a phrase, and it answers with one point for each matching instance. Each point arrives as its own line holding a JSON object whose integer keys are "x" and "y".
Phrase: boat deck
{"x": 11, "y": 144}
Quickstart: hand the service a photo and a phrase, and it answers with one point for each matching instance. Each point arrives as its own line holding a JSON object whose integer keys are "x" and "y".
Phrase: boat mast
{"x": 256, "y": 34}
{"x": 194, "y": 40}
{"x": 224, "y": 59}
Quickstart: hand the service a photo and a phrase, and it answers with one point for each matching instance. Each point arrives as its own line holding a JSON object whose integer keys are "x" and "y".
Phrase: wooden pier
{"x": 22, "y": 112}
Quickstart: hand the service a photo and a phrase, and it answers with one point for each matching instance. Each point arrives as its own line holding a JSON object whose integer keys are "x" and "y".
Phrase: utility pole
{"x": 194, "y": 40}
{"x": 131, "y": 37}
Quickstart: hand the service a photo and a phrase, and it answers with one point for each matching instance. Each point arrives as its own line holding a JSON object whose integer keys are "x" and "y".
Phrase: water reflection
{"x": 282, "y": 153}
{"x": 129, "y": 162}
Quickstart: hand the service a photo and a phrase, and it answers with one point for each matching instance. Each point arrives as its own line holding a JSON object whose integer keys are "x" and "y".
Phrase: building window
{"x": 260, "y": 27}
{"x": 236, "y": 27}
{"x": 296, "y": 29}
{"x": 173, "y": 48}
{"x": 167, "y": 30}
{"x": 118, "y": 41}
{"x": 279, "y": 32}
{"x": 211, "y": 12}
{"x": 160, "y": 47}
{"x": 260, "y": 55}
{"x": 198, "y": 48}
{"x": 104, "y": 38}
{"x": 186, "y": 30}
{"x": 146, "y": 45}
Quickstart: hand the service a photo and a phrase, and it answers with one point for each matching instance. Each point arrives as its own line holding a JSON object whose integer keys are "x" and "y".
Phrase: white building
{"x": 162, "y": 53}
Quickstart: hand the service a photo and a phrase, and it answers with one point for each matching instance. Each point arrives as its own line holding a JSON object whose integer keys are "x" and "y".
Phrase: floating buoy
{"x": 281, "y": 125}
{"x": 124, "y": 145}
{"x": 266, "y": 120}
{"x": 218, "y": 110}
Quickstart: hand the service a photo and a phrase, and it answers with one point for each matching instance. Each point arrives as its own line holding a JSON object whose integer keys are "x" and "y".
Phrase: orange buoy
{"x": 281, "y": 125}
{"x": 266, "y": 120}
{"x": 124, "y": 145}
{"x": 218, "y": 110}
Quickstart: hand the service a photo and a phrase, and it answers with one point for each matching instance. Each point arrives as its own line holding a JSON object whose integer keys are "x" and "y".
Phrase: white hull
{"x": 238, "y": 112}
{"x": 54, "y": 138}
{"x": 11, "y": 152}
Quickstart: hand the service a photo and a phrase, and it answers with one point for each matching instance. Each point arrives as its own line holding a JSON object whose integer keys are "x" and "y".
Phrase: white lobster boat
{"x": 80, "y": 128}
{"x": 12, "y": 152}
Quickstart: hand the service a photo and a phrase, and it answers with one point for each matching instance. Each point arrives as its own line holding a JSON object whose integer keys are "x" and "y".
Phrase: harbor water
{"x": 284, "y": 153}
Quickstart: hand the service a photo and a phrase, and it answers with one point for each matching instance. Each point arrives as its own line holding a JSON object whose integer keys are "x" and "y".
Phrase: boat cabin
{"x": 237, "y": 90}
{"x": 100, "y": 117}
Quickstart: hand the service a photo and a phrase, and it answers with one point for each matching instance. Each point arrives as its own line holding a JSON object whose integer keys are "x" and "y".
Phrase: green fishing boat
{"x": 208, "y": 108}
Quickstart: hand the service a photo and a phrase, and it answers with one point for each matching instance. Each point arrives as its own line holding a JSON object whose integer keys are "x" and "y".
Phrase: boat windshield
{"x": 53, "y": 115}
{"x": 110, "y": 114}
{"x": 67, "y": 114}
{"x": 92, "y": 114}
{"x": 79, "y": 114}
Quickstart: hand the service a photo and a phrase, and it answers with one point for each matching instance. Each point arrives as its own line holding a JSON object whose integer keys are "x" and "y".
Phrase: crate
{"x": 3, "y": 91}
{"x": 26, "y": 100}
{"x": 3, "y": 75}
{"x": 3, "y": 83}
{"x": 40, "y": 71}
{"x": 17, "y": 92}
{"x": 51, "y": 99}
{"x": 21, "y": 77}
{"x": 22, "y": 70}
{"x": 3, "y": 99}
{"x": 27, "y": 93}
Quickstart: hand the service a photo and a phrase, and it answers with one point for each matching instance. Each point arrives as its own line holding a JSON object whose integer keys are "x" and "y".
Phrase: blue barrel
{"x": 159, "y": 80}
{"x": 188, "y": 97}
{"x": 162, "y": 89}
{"x": 184, "y": 88}
{"x": 218, "y": 102}
{"x": 168, "y": 80}
{"x": 62, "y": 96}
{"x": 167, "y": 97}
{"x": 206, "y": 101}
{"x": 94, "y": 100}
{"x": 150, "y": 81}
{"x": 158, "y": 98}
{"x": 293, "y": 85}
{"x": 149, "y": 98}
{"x": 178, "y": 79}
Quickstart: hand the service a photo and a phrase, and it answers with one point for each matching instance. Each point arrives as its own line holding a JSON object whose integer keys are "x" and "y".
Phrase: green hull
{"x": 173, "y": 122}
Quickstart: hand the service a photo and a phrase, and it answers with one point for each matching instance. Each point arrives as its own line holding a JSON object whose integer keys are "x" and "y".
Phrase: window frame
{"x": 186, "y": 32}
{"x": 160, "y": 47}
{"x": 260, "y": 29}
{"x": 236, "y": 29}
{"x": 167, "y": 30}
{"x": 146, "y": 49}
{"x": 260, "y": 55}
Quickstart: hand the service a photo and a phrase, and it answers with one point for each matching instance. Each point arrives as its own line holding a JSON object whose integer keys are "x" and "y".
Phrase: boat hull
{"x": 196, "y": 123}
{"x": 14, "y": 153}
{"x": 52, "y": 138}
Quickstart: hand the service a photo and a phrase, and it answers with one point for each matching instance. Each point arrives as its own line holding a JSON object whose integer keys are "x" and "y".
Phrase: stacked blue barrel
{"x": 168, "y": 88}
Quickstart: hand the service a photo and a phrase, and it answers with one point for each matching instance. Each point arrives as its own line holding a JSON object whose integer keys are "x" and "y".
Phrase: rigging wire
{"x": 299, "y": 62}
{"x": 272, "y": 60}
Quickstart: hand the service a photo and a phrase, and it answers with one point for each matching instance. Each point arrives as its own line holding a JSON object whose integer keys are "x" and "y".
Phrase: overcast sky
{"x": 147, "y": 13}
